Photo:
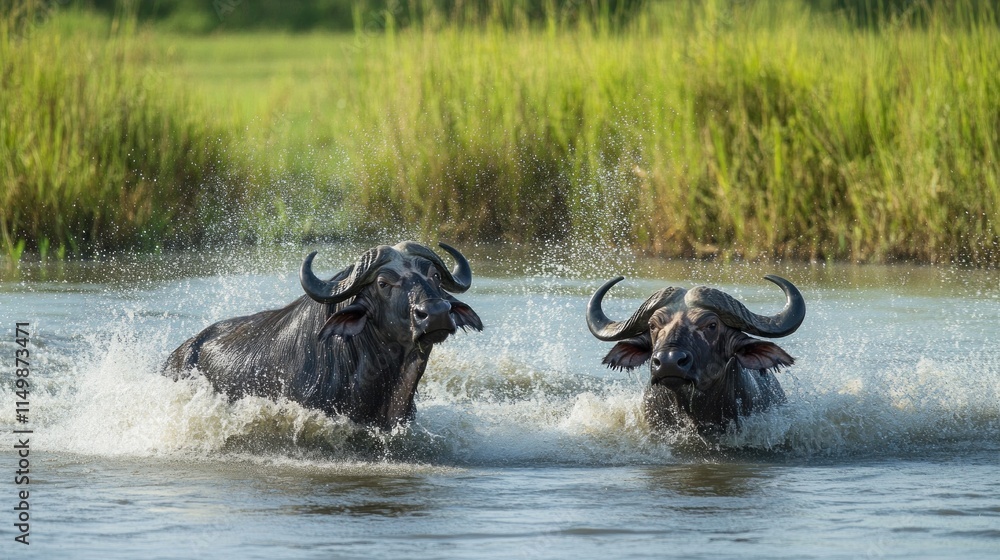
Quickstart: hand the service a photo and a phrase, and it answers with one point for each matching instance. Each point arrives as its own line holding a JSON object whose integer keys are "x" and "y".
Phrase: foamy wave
{"x": 900, "y": 410}
{"x": 116, "y": 403}
{"x": 474, "y": 411}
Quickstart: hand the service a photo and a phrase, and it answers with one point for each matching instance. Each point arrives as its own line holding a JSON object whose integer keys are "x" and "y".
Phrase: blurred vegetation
{"x": 97, "y": 149}
{"x": 760, "y": 130}
{"x": 200, "y": 16}
{"x": 824, "y": 130}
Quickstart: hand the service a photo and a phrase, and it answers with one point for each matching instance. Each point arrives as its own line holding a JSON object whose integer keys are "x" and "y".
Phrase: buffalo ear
{"x": 761, "y": 355}
{"x": 630, "y": 353}
{"x": 464, "y": 316}
{"x": 345, "y": 323}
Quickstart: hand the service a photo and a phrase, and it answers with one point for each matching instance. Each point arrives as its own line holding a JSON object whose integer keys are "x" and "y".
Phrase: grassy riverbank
{"x": 99, "y": 150}
{"x": 734, "y": 129}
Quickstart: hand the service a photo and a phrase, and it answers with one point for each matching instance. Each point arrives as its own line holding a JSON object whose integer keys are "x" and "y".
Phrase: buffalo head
{"x": 702, "y": 361}
{"x": 400, "y": 291}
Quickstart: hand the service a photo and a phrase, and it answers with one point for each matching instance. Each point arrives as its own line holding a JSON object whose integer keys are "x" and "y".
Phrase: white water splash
{"x": 528, "y": 391}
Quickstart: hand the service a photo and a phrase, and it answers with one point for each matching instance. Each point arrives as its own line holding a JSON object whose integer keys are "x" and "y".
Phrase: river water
{"x": 524, "y": 445}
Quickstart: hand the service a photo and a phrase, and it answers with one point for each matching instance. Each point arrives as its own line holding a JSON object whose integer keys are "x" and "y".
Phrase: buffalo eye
{"x": 382, "y": 284}
{"x": 436, "y": 276}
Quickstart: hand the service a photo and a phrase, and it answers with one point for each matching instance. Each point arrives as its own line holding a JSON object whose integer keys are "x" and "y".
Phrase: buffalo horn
{"x": 608, "y": 330}
{"x": 736, "y": 315}
{"x": 456, "y": 281}
{"x": 348, "y": 282}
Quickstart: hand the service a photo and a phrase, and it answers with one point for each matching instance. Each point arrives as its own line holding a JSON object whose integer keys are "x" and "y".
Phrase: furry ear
{"x": 761, "y": 355}
{"x": 464, "y": 316}
{"x": 345, "y": 323}
{"x": 630, "y": 353}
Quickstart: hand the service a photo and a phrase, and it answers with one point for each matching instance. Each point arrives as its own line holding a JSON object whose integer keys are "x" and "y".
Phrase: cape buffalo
{"x": 703, "y": 367}
{"x": 356, "y": 344}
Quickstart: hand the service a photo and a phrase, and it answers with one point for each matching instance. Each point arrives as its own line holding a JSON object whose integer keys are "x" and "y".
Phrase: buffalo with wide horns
{"x": 355, "y": 345}
{"x": 704, "y": 367}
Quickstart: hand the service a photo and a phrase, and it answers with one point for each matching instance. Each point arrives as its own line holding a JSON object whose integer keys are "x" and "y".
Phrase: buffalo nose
{"x": 433, "y": 315}
{"x": 671, "y": 363}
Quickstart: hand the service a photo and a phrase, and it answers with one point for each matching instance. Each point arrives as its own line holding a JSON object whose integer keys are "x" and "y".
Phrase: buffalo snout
{"x": 433, "y": 318}
{"x": 671, "y": 366}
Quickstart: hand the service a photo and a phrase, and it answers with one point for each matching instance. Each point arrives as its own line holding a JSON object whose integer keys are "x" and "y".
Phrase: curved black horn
{"x": 455, "y": 281}
{"x": 608, "y": 330}
{"x": 736, "y": 315}
{"x": 345, "y": 284}
{"x": 460, "y": 279}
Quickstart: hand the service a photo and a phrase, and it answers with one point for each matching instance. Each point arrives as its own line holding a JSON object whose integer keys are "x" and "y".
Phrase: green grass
{"x": 757, "y": 134}
{"x": 754, "y": 130}
{"x": 98, "y": 151}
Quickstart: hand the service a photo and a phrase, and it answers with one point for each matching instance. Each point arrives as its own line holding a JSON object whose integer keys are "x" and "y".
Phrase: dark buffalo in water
{"x": 704, "y": 368}
{"x": 356, "y": 344}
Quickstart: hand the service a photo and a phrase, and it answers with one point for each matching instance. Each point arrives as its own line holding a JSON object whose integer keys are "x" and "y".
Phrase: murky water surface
{"x": 524, "y": 446}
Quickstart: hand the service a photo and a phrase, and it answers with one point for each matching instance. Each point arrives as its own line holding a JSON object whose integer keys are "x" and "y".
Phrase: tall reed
{"x": 706, "y": 128}
{"x": 98, "y": 151}
{"x": 754, "y": 129}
